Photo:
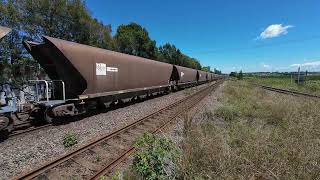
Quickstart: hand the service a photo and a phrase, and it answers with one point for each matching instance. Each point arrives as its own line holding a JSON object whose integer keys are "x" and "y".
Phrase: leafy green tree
{"x": 170, "y": 54}
{"x": 65, "y": 19}
{"x": 11, "y": 48}
{"x": 233, "y": 74}
{"x": 240, "y": 75}
{"x": 206, "y": 69}
{"x": 134, "y": 39}
{"x": 29, "y": 19}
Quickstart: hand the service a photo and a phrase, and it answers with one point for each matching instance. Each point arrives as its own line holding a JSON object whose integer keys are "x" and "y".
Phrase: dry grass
{"x": 264, "y": 136}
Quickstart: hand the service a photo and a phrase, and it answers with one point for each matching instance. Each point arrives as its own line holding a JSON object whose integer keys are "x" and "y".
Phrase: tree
{"x": 133, "y": 39}
{"x": 240, "y": 75}
{"x": 29, "y": 19}
{"x": 170, "y": 54}
{"x": 233, "y": 74}
{"x": 66, "y": 19}
{"x": 11, "y": 47}
{"x": 206, "y": 69}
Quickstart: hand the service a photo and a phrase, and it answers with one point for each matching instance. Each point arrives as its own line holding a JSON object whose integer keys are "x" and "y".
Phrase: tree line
{"x": 71, "y": 20}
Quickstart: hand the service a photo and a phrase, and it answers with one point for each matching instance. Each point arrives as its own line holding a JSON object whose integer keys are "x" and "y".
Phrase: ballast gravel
{"x": 23, "y": 153}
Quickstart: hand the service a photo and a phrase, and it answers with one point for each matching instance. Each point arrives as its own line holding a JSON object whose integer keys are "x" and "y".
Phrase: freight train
{"x": 84, "y": 77}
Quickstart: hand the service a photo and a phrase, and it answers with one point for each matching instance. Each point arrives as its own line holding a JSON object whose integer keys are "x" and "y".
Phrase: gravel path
{"x": 23, "y": 153}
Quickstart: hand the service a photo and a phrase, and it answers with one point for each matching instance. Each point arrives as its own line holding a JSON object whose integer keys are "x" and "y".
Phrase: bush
{"x": 240, "y": 75}
{"x": 152, "y": 155}
{"x": 69, "y": 140}
{"x": 188, "y": 91}
{"x": 228, "y": 113}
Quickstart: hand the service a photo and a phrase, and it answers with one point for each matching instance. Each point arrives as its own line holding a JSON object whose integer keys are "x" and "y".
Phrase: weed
{"x": 116, "y": 176}
{"x": 102, "y": 178}
{"x": 208, "y": 114}
{"x": 188, "y": 91}
{"x": 152, "y": 156}
{"x": 98, "y": 159}
{"x": 69, "y": 140}
{"x": 228, "y": 113}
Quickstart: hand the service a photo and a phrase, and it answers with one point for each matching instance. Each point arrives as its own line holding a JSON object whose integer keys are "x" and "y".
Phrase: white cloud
{"x": 266, "y": 66}
{"x": 307, "y": 64}
{"x": 295, "y": 65}
{"x": 274, "y": 30}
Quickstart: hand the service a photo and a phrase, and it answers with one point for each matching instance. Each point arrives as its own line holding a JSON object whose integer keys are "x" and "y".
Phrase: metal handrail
{"x": 63, "y": 88}
{"x": 47, "y": 88}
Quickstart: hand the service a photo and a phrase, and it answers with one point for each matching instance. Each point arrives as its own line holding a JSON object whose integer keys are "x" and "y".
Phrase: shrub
{"x": 152, "y": 155}
{"x": 116, "y": 176}
{"x": 240, "y": 75}
{"x": 228, "y": 113}
{"x": 69, "y": 140}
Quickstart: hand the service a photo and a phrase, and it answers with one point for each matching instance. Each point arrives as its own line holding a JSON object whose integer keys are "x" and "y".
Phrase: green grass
{"x": 254, "y": 135}
{"x": 312, "y": 85}
{"x": 69, "y": 140}
{"x": 153, "y": 154}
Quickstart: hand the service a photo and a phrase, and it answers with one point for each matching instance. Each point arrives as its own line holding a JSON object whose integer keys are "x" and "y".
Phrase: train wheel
{"x": 48, "y": 116}
{"x": 4, "y": 123}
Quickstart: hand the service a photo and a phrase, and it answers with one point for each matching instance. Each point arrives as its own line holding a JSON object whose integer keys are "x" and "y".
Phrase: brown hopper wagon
{"x": 95, "y": 72}
{"x": 185, "y": 77}
{"x": 94, "y": 76}
{"x": 82, "y": 77}
{"x": 203, "y": 76}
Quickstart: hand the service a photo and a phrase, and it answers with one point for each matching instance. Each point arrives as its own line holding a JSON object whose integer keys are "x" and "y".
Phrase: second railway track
{"x": 285, "y": 91}
{"x": 98, "y": 157}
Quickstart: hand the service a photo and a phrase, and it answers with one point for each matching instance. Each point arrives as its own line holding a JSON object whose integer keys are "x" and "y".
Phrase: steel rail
{"x": 17, "y": 132}
{"x": 50, "y": 165}
{"x": 288, "y": 92}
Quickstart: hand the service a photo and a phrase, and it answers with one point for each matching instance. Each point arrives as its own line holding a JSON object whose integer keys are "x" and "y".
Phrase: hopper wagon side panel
{"x": 186, "y": 75}
{"x": 202, "y": 75}
{"x": 90, "y": 70}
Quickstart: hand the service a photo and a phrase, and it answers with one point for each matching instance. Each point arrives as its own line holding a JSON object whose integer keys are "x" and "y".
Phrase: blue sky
{"x": 273, "y": 35}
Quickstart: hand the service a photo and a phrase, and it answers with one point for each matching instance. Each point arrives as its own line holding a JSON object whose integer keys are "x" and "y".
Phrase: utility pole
{"x": 299, "y": 75}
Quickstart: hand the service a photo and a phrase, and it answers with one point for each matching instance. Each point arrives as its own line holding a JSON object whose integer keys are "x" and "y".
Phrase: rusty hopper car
{"x": 186, "y": 77}
{"x": 203, "y": 76}
{"x": 6, "y": 122}
{"x": 94, "y": 75}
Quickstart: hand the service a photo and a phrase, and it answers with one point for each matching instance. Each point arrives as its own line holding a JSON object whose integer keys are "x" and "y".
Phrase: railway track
{"x": 285, "y": 91}
{"x": 100, "y": 156}
{"x": 31, "y": 128}
{"x": 23, "y": 125}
